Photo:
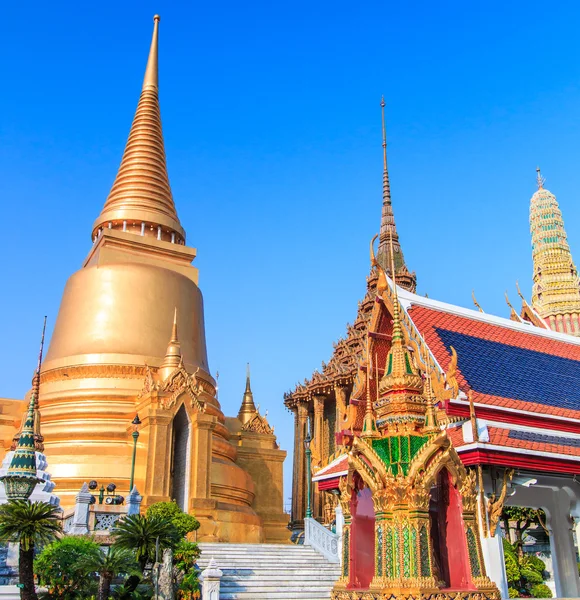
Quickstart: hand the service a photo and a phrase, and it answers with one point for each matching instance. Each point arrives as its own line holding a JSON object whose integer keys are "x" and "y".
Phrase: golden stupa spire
{"x": 556, "y": 289}
{"x": 248, "y": 408}
{"x": 389, "y": 238}
{"x": 173, "y": 357}
{"x": 140, "y": 200}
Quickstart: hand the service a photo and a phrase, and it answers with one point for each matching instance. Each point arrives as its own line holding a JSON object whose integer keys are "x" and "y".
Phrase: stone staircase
{"x": 270, "y": 571}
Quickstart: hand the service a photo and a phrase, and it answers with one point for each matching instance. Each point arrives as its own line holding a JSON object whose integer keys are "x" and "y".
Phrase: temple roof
{"x": 505, "y": 364}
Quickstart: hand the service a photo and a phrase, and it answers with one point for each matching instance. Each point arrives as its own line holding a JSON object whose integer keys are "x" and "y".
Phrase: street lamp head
{"x": 136, "y": 420}
{"x": 307, "y": 440}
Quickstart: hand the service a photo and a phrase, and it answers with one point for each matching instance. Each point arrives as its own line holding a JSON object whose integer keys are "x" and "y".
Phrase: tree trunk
{"x": 519, "y": 541}
{"x": 26, "y": 573}
{"x": 104, "y": 586}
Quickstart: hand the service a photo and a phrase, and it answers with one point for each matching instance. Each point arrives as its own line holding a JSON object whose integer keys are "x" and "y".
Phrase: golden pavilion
{"x": 130, "y": 339}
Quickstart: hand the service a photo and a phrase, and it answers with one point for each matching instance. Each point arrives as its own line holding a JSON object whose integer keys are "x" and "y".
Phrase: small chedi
{"x": 130, "y": 338}
{"x": 409, "y": 504}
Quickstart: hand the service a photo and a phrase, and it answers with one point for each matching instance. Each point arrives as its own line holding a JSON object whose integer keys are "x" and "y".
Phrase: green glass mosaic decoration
{"x": 424, "y": 552}
{"x": 396, "y": 564}
{"x": 397, "y": 452}
{"x": 473, "y": 554}
{"x": 379, "y": 557}
{"x": 345, "y": 553}
{"x": 414, "y": 569}
{"x": 406, "y": 552}
{"x": 389, "y": 552}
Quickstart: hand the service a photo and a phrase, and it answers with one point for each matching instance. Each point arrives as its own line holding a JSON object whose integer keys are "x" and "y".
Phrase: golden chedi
{"x": 130, "y": 338}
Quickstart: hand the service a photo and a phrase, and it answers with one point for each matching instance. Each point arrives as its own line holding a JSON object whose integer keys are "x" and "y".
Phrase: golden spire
{"x": 385, "y": 255}
{"x": 399, "y": 372}
{"x": 140, "y": 200}
{"x": 172, "y": 358}
{"x": 369, "y": 424}
{"x": 431, "y": 423}
{"x": 248, "y": 408}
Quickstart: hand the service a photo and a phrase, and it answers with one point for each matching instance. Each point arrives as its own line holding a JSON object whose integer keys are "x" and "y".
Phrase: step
{"x": 274, "y": 595}
{"x": 236, "y": 575}
{"x": 270, "y": 571}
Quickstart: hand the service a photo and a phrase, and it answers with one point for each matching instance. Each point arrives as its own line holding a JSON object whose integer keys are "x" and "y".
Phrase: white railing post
{"x": 211, "y": 578}
{"x": 321, "y": 539}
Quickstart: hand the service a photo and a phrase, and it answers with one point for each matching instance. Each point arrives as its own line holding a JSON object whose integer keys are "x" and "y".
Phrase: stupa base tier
{"x": 391, "y": 594}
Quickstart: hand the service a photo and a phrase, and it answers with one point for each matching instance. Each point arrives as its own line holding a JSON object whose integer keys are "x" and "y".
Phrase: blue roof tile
{"x": 518, "y": 373}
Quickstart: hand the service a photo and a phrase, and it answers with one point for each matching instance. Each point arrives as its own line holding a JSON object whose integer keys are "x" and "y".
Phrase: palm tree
{"x": 142, "y": 534}
{"x": 29, "y": 524}
{"x": 109, "y": 564}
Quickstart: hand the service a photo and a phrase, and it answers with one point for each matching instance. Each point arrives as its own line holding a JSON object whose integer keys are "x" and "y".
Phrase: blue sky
{"x": 272, "y": 127}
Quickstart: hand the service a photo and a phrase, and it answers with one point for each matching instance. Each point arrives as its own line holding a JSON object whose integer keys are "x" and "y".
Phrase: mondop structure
{"x": 130, "y": 339}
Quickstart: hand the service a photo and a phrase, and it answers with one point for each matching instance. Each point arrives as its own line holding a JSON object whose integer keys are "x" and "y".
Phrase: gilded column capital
{"x": 302, "y": 410}
{"x": 318, "y": 403}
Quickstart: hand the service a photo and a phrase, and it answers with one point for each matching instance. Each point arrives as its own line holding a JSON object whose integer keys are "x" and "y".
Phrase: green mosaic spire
{"x": 21, "y": 479}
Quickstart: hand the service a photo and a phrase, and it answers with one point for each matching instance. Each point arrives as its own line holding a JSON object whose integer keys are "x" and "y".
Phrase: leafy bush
{"x": 513, "y": 593}
{"x": 541, "y": 590}
{"x": 512, "y": 568}
{"x": 531, "y": 576}
{"x": 61, "y": 567}
{"x": 183, "y": 522}
{"x": 507, "y": 547}
{"x": 533, "y": 562}
{"x": 184, "y": 557}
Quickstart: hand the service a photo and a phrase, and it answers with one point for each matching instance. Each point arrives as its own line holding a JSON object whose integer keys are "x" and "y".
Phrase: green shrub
{"x": 184, "y": 557}
{"x": 61, "y": 567}
{"x": 541, "y": 590}
{"x": 533, "y": 562}
{"x": 531, "y": 576}
{"x": 513, "y": 593}
{"x": 507, "y": 547}
{"x": 183, "y": 522}
{"x": 512, "y": 568}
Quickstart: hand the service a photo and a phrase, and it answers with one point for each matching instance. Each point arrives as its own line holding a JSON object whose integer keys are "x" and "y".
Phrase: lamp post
{"x": 136, "y": 422}
{"x": 307, "y": 441}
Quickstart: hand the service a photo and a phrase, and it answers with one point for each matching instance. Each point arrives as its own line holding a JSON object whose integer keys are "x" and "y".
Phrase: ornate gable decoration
{"x": 181, "y": 382}
{"x": 258, "y": 424}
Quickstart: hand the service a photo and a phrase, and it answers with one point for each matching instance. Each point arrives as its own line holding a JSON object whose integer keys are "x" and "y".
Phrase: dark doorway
{"x": 179, "y": 459}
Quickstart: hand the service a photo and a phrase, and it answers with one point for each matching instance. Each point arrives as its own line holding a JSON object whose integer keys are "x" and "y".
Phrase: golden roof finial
{"x": 539, "y": 179}
{"x": 369, "y": 424}
{"x": 472, "y": 417}
{"x": 140, "y": 200}
{"x": 397, "y": 330}
{"x": 248, "y": 408}
{"x": 384, "y": 140}
{"x": 431, "y": 423}
{"x": 476, "y": 302}
{"x": 151, "y": 78}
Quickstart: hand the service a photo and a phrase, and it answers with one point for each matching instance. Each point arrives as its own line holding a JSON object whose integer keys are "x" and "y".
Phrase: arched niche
{"x": 180, "y": 457}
